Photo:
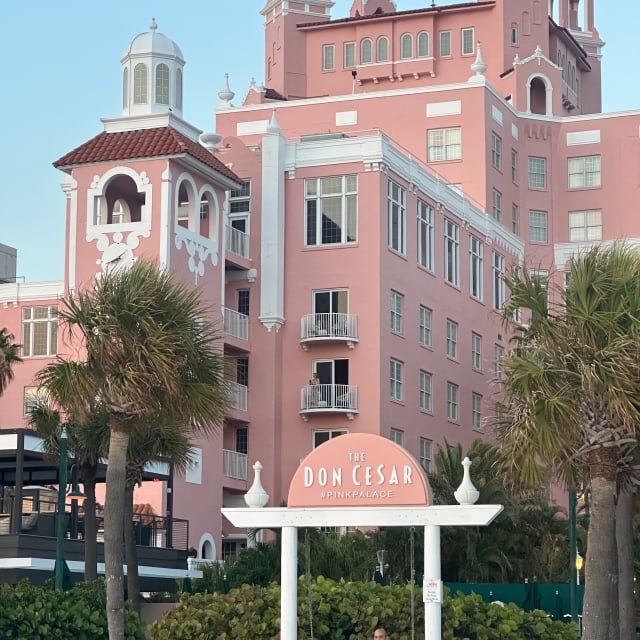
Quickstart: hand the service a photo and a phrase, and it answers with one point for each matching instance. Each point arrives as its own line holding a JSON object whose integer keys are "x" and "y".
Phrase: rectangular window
{"x": 452, "y": 339}
{"x": 476, "y": 351}
{"x": 496, "y": 210}
{"x": 476, "y": 249}
{"x": 331, "y": 206}
{"x": 242, "y": 440}
{"x": 499, "y": 295}
{"x": 584, "y": 172}
{"x": 397, "y": 217}
{"x": 243, "y": 302}
{"x": 395, "y": 435}
{"x": 425, "y": 454}
{"x": 497, "y": 362}
{"x": 515, "y": 215}
{"x": 425, "y": 391}
{"x": 349, "y": 55}
{"x": 324, "y": 435}
{"x": 425, "y": 235}
{"x": 328, "y": 57}
{"x": 585, "y": 226}
{"x": 32, "y": 397}
{"x": 537, "y": 173}
{"x": 538, "y": 226}
{"x": 514, "y": 166}
{"x": 445, "y": 44}
{"x": 444, "y": 144}
{"x": 242, "y": 371}
{"x": 425, "y": 326}
{"x": 451, "y": 252}
{"x": 496, "y": 151}
{"x": 468, "y": 42}
{"x": 396, "y": 379}
{"x": 397, "y": 312}
{"x": 452, "y": 401}
{"x": 240, "y": 199}
{"x": 39, "y": 331}
{"x": 476, "y": 410}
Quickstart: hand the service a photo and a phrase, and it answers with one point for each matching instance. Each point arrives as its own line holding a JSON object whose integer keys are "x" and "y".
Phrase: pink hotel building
{"x": 350, "y": 222}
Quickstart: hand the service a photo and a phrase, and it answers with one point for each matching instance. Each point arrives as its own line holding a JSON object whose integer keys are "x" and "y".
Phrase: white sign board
{"x": 432, "y": 591}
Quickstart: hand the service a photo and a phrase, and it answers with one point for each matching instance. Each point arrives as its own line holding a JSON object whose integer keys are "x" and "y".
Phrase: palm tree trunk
{"x": 133, "y": 580}
{"x": 90, "y": 523}
{"x": 113, "y": 529}
{"x": 624, "y": 539}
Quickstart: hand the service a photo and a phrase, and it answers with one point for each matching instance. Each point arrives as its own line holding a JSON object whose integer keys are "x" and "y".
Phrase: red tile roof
{"x": 142, "y": 143}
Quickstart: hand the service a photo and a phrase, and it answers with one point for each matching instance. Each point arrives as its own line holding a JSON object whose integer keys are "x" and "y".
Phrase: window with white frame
{"x": 515, "y": 218}
{"x": 320, "y": 436}
{"x": 162, "y": 84}
{"x": 445, "y": 44}
{"x": 425, "y": 454}
{"x": 140, "y": 84}
{"x": 451, "y": 252}
{"x": 397, "y": 216}
{"x": 426, "y": 391}
{"x": 514, "y": 35}
{"x": 396, "y": 435}
{"x": 537, "y": 173}
{"x": 397, "y": 312}
{"x": 349, "y": 53}
{"x": 239, "y": 207}
{"x": 444, "y": 144}
{"x": 514, "y": 166}
{"x": 476, "y": 351}
{"x": 328, "y": 57}
{"x": 425, "y": 235}
{"x": 396, "y": 370}
{"x": 452, "y": 402}
{"x": 498, "y": 357}
{"x": 476, "y": 257}
{"x": 39, "y": 331}
{"x": 499, "y": 287}
{"x": 366, "y": 51}
{"x": 538, "y": 226}
{"x": 476, "y": 410}
{"x": 496, "y": 151}
{"x": 406, "y": 46}
{"x": 585, "y": 226}
{"x": 331, "y": 206}
{"x": 584, "y": 172}
{"x": 452, "y": 339}
{"x": 468, "y": 42}
{"x": 496, "y": 205}
{"x": 425, "y": 326}
{"x": 382, "y": 49}
{"x": 423, "y": 44}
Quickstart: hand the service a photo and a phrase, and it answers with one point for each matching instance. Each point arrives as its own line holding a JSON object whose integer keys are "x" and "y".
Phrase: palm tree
{"x": 150, "y": 354}
{"x": 571, "y": 388}
{"x": 9, "y": 356}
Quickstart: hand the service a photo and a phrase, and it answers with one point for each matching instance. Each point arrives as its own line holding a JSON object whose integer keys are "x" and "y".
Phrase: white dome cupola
{"x": 152, "y": 68}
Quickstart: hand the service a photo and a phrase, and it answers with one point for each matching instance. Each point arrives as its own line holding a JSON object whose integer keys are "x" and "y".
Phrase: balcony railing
{"x": 329, "y": 398}
{"x": 329, "y": 327}
{"x": 237, "y": 395}
{"x": 237, "y": 241}
{"x": 234, "y": 464}
{"x": 236, "y": 324}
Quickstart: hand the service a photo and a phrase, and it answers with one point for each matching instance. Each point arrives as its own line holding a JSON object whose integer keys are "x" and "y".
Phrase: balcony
{"x": 234, "y": 464}
{"x": 237, "y": 248}
{"x": 236, "y": 328}
{"x": 569, "y": 97}
{"x": 329, "y": 328}
{"x": 329, "y": 398}
{"x": 237, "y": 396}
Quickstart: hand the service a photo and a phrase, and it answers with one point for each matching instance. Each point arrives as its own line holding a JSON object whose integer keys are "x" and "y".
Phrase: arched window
{"x": 125, "y": 87}
{"x": 140, "y": 84}
{"x": 120, "y": 212}
{"x": 382, "y": 49}
{"x": 526, "y": 23}
{"x": 365, "y": 51}
{"x": 406, "y": 46}
{"x": 179, "y": 89}
{"x": 423, "y": 44}
{"x": 162, "y": 84}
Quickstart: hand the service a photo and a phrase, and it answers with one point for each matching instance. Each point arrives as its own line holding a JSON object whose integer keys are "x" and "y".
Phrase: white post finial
{"x": 466, "y": 493}
{"x": 256, "y": 496}
{"x": 479, "y": 67}
{"x": 274, "y": 126}
{"x": 154, "y": 25}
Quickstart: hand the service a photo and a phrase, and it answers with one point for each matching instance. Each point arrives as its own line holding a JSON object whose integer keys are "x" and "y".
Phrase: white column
{"x": 289, "y": 584}
{"x": 432, "y": 610}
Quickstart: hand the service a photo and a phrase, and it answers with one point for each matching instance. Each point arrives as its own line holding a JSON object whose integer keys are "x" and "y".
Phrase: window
{"x": 496, "y": 206}
{"x": 476, "y": 410}
{"x": 397, "y": 217}
{"x": 242, "y": 440}
{"x": 365, "y": 51}
{"x": 243, "y": 301}
{"x": 515, "y": 226}
{"x": 120, "y": 212}
{"x": 395, "y": 435}
{"x": 452, "y": 339}
{"x": 240, "y": 199}
{"x": 452, "y": 401}
{"x": 425, "y": 235}
{"x": 349, "y": 54}
{"x": 406, "y": 46}
{"x": 496, "y": 151}
{"x": 125, "y": 88}
{"x": 514, "y": 35}
{"x": 585, "y": 226}
{"x": 397, "y": 305}
{"x": 39, "y": 331}
{"x": 584, "y": 173}
{"x": 328, "y": 57}
{"x": 538, "y": 226}
{"x": 476, "y": 250}
{"x": 451, "y": 252}
{"x": 32, "y": 397}
{"x": 499, "y": 295}
{"x": 468, "y": 40}
{"x": 537, "y": 173}
{"x": 444, "y": 144}
{"x": 327, "y": 302}
{"x": 425, "y": 454}
{"x": 514, "y": 166}
{"x": 425, "y": 391}
{"x": 395, "y": 379}
{"x": 497, "y": 362}
{"x": 162, "y": 84}
{"x": 425, "y": 326}
{"x": 179, "y": 89}
{"x": 382, "y": 49}
{"x": 331, "y": 210}
{"x": 242, "y": 371}
{"x": 445, "y": 44}
{"x": 423, "y": 44}
{"x": 476, "y": 351}
{"x": 324, "y": 435}
{"x": 140, "y": 84}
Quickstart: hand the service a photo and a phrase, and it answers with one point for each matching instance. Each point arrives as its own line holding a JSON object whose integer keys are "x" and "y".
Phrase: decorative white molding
{"x": 344, "y": 118}
{"x": 199, "y": 249}
{"x": 450, "y": 108}
{"x": 575, "y": 138}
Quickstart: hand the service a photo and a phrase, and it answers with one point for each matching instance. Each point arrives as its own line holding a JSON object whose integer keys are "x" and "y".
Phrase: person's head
{"x": 380, "y": 633}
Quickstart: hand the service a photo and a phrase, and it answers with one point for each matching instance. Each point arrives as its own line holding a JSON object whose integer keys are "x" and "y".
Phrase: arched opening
{"x": 206, "y": 551}
{"x": 162, "y": 84}
{"x": 365, "y": 51}
{"x": 140, "y": 79}
{"x": 423, "y": 45}
{"x": 382, "y": 49}
{"x": 406, "y": 46}
{"x": 120, "y": 212}
{"x": 121, "y": 203}
{"x": 538, "y": 97}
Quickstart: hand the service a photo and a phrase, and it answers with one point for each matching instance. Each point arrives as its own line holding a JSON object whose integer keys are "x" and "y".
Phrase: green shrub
{"x": 349, "y": 611}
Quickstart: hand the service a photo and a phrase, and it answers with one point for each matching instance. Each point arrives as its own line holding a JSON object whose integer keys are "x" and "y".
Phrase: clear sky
{"x": 62, "y": 74}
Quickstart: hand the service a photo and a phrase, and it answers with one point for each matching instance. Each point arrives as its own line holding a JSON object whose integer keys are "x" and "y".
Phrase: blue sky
{"x": 62, "y": 74}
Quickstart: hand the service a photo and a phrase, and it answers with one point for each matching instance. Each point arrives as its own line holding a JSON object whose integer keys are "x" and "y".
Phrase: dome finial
{"x": 154, "y": 25}
{"x": 226, "y": 95}
{"x": 479, "y": 67}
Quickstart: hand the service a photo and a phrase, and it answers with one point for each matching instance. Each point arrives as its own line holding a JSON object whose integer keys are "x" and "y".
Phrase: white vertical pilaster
{"x": 432, "y": 610}
{"x": 289, "y": 584}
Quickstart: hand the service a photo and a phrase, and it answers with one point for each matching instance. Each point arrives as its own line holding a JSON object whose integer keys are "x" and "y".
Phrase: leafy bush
{"x": 29, "y": 612}
{"x": 348, "y": 610}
